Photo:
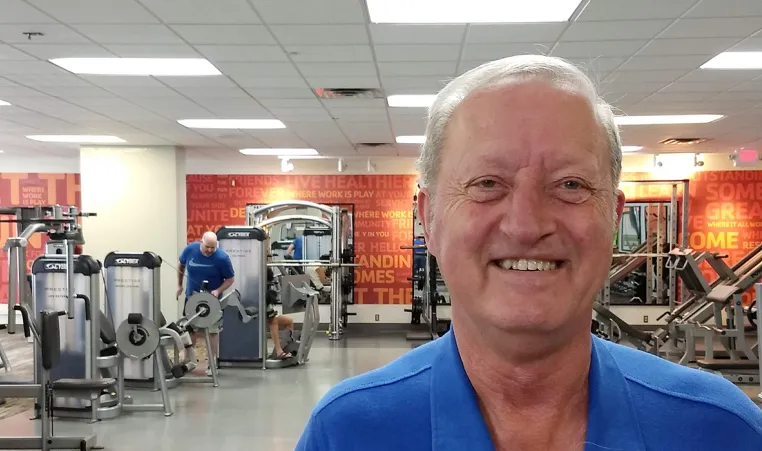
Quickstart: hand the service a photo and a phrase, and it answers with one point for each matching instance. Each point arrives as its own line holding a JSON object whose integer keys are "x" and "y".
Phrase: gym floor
{"x": 251, "y": 409}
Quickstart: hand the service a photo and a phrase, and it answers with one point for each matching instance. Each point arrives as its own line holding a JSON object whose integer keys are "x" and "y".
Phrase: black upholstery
{"x": 727, "y": 364}
{"x": 135, "y": 318}
{"x": 90, "y": 385}
{"x": 50, "y": 337}
{"x": 108, "y": 334}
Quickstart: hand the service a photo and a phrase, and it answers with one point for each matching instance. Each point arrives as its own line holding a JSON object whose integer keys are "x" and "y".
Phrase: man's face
{"x": 208, "y": 248}
{"x": 523, "y": 213}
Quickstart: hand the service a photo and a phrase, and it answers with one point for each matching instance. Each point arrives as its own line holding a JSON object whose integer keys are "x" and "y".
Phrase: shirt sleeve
{"x": 312, "y": 438}
{"x": 227, "y": 268}
{"x": 184, "y": 255}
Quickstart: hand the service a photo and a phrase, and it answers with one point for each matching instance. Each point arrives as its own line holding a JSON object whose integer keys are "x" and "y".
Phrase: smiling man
{"x": 520, "y": 203}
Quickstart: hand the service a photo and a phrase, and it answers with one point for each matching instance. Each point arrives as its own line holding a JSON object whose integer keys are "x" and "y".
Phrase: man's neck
{"x": 530, "y": 394}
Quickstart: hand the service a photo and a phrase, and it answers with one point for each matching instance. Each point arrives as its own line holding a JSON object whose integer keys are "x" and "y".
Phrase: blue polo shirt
{"x": 298, "y": 241}
{"x": 215, "y": 268}
{"x": 638, "y": 402}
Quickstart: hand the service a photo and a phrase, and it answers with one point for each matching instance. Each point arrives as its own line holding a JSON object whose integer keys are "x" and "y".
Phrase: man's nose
{"x": 527, "y": 217}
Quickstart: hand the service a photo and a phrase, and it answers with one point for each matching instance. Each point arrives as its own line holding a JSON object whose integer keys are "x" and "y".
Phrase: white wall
{"x": 51, "y": 165}
{"x": 272, "y": 165}
{"x": 136, "y": 193}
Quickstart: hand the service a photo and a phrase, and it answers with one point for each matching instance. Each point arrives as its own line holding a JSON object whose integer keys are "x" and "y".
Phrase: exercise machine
{"x": 317, "y": 242}
{"x": 46, "y": 332}
{"x": 434, "y": 293}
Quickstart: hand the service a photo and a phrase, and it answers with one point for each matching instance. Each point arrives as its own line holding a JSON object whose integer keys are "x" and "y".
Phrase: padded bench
{"x": 84, "y": 385}
{"x": 626, "y": 328}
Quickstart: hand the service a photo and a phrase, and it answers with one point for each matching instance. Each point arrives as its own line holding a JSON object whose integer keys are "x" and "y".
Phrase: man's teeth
{"x": 528, "y": 265}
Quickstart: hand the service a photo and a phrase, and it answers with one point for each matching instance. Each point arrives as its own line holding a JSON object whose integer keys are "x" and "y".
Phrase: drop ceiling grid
{"x": 645, "y": 55}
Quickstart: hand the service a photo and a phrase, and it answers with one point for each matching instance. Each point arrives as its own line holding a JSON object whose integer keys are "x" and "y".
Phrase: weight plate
{"x": 195, "y": 304}
{"x": 138, "y": 341}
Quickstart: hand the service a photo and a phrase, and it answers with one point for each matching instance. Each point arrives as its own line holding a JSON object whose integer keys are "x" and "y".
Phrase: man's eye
{"x": 486, "y": 183}
{"x": 572, "y": 184}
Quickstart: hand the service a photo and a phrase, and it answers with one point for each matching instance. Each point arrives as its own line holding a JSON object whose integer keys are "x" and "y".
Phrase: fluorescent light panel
{"x": 232, "y": 123}
{"x": 735, "y": 60}
{"x": 470, "y": 11}
{"x": 156, "y": 67}
{"x": 631, "y": 148}
{"x": 82, "y": 139}
{"x": 411, "y": 100}
{"x": 279, "y": 152}
{"x": 413, "y": 139}
{"x": 668, "y": 119}
{"x": 4, "y": 103}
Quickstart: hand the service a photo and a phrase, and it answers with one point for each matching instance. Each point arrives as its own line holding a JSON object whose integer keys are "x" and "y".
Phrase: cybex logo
{"x": 127, "y": 261}
{"x": 239, "y": 234}
{"x": 55, "y": 266}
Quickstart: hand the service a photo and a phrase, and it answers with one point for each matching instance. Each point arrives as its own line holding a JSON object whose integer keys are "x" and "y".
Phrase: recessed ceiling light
{"x": 668, "y": 119}
{"x": 82, "y": 139}
{"x": 413, "y": 139}
{"x": 411, "y": 100}
{"x": 232, "y": 123}
{"x": 156, "y": 67}
{"x": 4, "y": 103}
{"x": 2, "y": 151}
{"x": 735, "y": 60}
{"x": 279, "y": 152}
{"x": 471, "y": 11}
{"x": 631, "y": 148}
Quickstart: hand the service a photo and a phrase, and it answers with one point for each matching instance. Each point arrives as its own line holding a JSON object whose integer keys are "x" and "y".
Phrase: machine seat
{"x": 84, "y": 385}
{"x": 727, "y": 364}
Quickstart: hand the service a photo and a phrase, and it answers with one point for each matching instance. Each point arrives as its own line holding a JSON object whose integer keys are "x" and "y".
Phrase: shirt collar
{"x": 457, "y": 423}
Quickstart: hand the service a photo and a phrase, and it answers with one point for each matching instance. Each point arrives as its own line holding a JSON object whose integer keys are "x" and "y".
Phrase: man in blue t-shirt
{"x": 295, "y": 249}
{"x": 204, "y": 261}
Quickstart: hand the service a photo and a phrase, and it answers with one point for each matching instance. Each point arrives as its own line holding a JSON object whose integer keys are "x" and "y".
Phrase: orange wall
{"x": 383, "y": 218}
{"x": 32, "y": 189}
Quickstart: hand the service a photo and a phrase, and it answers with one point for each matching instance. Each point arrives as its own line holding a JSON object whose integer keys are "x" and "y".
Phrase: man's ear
{"x": 425, "y": 209}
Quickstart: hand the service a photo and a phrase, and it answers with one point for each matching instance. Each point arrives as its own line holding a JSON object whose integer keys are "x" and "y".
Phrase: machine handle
{"x": 87, "y": 305}
{"x": 24, "y": 318}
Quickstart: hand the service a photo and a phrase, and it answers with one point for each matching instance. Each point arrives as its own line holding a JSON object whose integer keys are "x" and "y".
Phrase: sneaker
{"x": 209, "y": 371}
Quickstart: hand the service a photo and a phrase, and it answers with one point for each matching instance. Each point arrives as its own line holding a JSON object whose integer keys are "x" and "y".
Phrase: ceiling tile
{"x": 30, "y": 67}
{"x": 17, "y": 11}
{"x": 753, "y": 44}
{"x": 413, "y": 85}
{"x": 414, "y": 52}
{"x": 442, "y": 68}
{"x": 737, "y": 95}
{"x": 702, "y": 75}
{"x": 263, "y": 70}
{"x": 154, "y": 92}
{"x": 129, "y": 34}
{"x": 631, "y": 87}
{"x": 738, "y": 27}
{"x": 152, "y": 51}
{"x": 122, "y": 81}
{"x": 320, "y": 34}
{"x": 714, "y": 86}
{"x": 621, "y": 30}
{"x": 727, "y": 8}
{"x": 664, "y": 76}
{"x": 236, "y": 108}
{"x": 593, "y": 49}
{"x": 213, "y": 93}
{"x": 53, "y": 34}
{"x": 337, "y": 69}
{"x": 96, "y": 11}
{"x": 408, "y": 124}
{"x": 263, "y": 83}
{"x": 253, "y": 53}
{"x": 597, "y": 68}
{"x": 669, "y": 97}
{"x": 7, "y": 92}
{"x": 677, "y": 47}
{"x": 753, "y": 85}
{"x": 282, "y": 93}
{"x": 374, "y": 105}
{"x": 203, "y": 11}
{"x": 290, "y": 103}
{"x": 340, "y": 81}
{"x": 623, "y": 99}
{"x": 663, "y": 62}
{"x": 311, "y": 12}
{"x": 610, "y": 10}
{"x": 74, "y": 91}
{"x": 225, "y": 34}
{"x": 488, "y": 52}
{"x": 284, "y": 141}
{"x": 180, "y": 108}
{"x": 50, "y": 51}
{"x": 513, "y": 33}
{"x": 5, "y": 82}
{"x": 330, "y": 54}
{"x": 197, "y": 82}
{"x": 8, "y": 53}
{"x": 416, "y": 34}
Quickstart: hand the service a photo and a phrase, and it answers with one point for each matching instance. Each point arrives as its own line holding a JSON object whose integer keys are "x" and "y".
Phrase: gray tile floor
{"x": 250, "y": 410}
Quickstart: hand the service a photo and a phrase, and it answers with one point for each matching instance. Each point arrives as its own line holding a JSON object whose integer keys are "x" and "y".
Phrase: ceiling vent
{"x": 682, "y": 141}
{"x": 373, "y": 144}
{"x": 348, "y": 93}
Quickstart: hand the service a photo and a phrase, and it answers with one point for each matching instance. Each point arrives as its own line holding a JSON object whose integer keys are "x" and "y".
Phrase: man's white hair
{"x": 515, "y": 68}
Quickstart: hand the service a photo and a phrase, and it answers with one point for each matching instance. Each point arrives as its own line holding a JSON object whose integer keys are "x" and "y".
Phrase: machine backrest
{"x": 108, "y": 333}
{"x": 50, "y": 339}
